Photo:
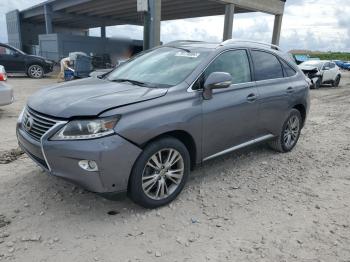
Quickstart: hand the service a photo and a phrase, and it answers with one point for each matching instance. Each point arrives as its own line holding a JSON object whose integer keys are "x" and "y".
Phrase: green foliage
{"x": 332, "y": 56}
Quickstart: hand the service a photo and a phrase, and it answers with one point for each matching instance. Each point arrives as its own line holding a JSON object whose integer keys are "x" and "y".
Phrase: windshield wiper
{"x": 134, "y": 82}
{"x": 181, "y": 48}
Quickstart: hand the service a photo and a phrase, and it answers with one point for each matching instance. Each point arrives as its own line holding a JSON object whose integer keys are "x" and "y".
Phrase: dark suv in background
{"x": 16, "y": 61}
{"x": 142, "y": 127}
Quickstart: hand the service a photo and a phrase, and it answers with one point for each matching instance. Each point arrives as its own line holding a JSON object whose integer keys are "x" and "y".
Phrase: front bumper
{"x": 48, "y": 68}
{"x": 114, "y": 155}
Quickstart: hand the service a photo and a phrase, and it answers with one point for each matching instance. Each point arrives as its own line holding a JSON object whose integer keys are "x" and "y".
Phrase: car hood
{"x": 89, "y": 97}
{"x": 308, "y": 68}
{"x": 36, "y": 57}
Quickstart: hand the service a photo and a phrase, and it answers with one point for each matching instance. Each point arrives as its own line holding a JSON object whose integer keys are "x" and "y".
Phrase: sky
{"x": 322, "y": 25}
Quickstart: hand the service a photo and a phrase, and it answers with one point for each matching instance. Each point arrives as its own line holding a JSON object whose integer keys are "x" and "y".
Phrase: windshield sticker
{"x": 185, "y": 54}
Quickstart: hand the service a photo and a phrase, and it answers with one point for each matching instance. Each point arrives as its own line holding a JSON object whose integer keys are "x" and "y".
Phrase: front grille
{"x": 36, "y": 124}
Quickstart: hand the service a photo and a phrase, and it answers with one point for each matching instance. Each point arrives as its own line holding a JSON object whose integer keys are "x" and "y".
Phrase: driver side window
{"x": 234, "y": 62}
{"x": 6, "y": 51}
{"x": 326, "y": 66}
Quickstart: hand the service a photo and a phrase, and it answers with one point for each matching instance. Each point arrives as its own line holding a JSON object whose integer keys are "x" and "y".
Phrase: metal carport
{"x": 85, "y": 14}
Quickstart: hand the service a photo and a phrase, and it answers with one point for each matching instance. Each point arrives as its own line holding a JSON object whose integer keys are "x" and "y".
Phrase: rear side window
{"x": 266, "y": 66}
{"x": 289, "y": 71}
{"x": 235, "y": 63}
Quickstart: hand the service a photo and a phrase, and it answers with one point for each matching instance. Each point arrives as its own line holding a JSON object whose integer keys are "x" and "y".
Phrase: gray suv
{"x": 141, "y": 128}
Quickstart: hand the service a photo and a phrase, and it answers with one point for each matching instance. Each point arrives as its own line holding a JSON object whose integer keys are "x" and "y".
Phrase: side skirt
{"x": 248, "y": 143}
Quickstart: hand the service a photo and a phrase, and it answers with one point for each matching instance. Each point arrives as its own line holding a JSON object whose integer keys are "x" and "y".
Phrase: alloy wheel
{"x": 36, "y": 71}
{"x": 163, "y": 174}
{"x": 291, "y": 132}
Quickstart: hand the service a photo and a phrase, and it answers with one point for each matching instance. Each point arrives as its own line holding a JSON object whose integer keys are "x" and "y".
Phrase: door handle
{"x": 252, "y": 98}
{"x": 290, "y": 90}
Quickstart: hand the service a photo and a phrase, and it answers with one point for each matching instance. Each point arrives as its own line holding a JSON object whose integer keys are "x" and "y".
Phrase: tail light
{"x": 3, "y": 77}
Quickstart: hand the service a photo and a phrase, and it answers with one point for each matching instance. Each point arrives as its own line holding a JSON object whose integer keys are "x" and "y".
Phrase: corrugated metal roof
{"x": 94, "y": 13}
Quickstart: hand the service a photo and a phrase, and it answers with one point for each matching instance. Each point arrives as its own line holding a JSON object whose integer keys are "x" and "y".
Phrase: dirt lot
{"x": 252, "y": 205}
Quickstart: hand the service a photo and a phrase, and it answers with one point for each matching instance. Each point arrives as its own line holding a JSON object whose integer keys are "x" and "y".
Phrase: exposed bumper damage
{"x": 313, "y": 74}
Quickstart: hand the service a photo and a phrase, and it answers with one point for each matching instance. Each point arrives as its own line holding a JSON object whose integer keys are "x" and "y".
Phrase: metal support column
{"x": 228, "y": 25}
{"x": 277, "y": 29}
{"x": 48, "y": 18}
{"x": 146, "y": 31}
{"x": 155, "y": 10}
{"x": 103, "y": 31}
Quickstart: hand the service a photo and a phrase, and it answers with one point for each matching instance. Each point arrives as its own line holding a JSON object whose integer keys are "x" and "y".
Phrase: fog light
{"x": 88, "y": 165}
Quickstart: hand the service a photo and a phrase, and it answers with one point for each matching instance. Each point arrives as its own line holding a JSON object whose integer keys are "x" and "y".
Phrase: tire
{"x": 336, "y": 82}
{"x": 152, "y": 185}
{"x": 279, "y": 143}
{"x": 35, "y": 71}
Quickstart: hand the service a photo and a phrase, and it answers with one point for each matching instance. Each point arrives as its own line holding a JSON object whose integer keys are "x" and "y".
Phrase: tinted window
{"x": 289, "y": 71}
{"x": 235, "y": 63}
{"x": 332, "y": 65}
{"x": 6, "y": 51}
{"x": 266, "y": 66}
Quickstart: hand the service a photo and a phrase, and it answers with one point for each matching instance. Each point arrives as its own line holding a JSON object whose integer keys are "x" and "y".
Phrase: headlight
{"x": 87, "y": 129}
{"x": 20, "y": 117}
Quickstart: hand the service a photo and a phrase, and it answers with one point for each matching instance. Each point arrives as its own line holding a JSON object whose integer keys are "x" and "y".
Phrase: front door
{"x": 327, "y": 72}
{"x": 12, "y": 60}
{"x": 229, "y": 118}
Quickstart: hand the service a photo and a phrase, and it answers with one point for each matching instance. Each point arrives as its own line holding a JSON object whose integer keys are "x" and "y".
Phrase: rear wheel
{"x": 290, "y": 133}
{"x": 160, "y": 173}
{"x": 35, "y": 71}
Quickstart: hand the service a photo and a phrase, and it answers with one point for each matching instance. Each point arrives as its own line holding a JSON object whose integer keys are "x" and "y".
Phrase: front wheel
{"x": 336, "y": 82}
{"x": 35, "y": 71}
{"x": 290, "y": 133}
{"x": 160, "y": 173}
{"x": 318, "y": 83}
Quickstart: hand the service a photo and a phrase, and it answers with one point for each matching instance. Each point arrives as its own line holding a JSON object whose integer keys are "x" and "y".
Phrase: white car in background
{"x": 6, "y": 92}
{"x": 321, "y": 72}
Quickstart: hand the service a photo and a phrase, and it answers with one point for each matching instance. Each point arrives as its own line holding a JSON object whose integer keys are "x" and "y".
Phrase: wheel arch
{"x": 33, "y": 63}
{"x": 183, "y": 136}
{"x": 301, "y": 108}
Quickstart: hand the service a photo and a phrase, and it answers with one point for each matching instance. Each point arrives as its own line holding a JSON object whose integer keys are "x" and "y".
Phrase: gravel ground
{"x": 252, "y": 205}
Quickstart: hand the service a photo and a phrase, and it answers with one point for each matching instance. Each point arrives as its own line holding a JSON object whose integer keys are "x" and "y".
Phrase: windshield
{"x": 313, "y": 63}
{"x": 162, "y": 67}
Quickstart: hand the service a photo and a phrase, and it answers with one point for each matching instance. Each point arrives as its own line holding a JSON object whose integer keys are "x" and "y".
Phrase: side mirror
{"x": 216, "y": 80}
{"x": 16, "y": 54}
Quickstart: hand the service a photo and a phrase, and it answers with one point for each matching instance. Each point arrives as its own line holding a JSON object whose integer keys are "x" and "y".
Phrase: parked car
{"x": 342, "y": 64}
{"x": 346, "y": 65}
{"x": 6, "y": 92}
{"x": 144, "y": 126}
{"x": 321, "y": 72}
{"x": 16, "y": 61}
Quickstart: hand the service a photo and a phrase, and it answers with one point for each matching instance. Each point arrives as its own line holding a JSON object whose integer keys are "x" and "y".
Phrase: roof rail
{"x": 183, "y": 42}
{"x": 232, "y": 41}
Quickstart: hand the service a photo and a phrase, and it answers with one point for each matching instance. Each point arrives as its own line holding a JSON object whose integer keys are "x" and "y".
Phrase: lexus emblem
{"x": 28, "y": 123}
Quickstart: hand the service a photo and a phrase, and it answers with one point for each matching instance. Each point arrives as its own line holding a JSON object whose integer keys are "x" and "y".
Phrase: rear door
{"x": 229, "y": 118}
{"x": 11, "y": 60}
{"x": 275, "y": 91}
